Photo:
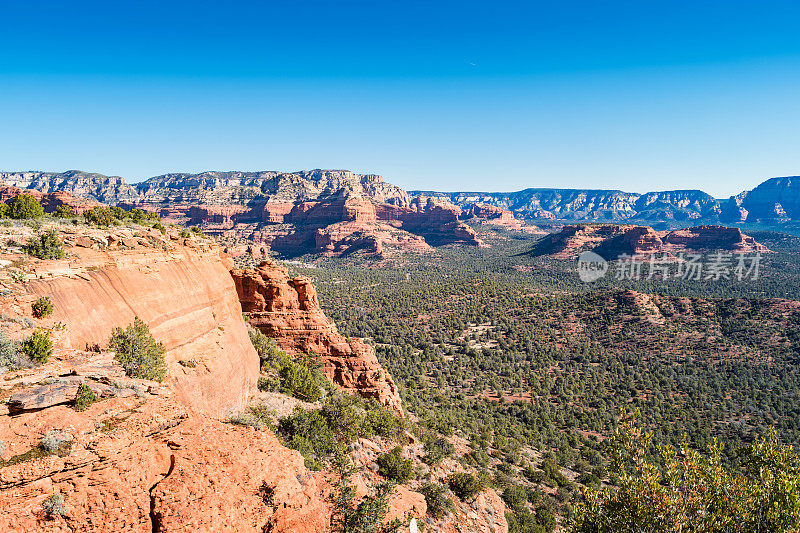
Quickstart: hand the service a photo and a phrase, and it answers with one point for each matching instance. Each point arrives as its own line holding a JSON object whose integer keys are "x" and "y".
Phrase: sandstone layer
{"x": 287, "y": 309}
{"x": 180, "y": 287}
{"x": 144, "y": 462}
{"x": 612, "y": 241}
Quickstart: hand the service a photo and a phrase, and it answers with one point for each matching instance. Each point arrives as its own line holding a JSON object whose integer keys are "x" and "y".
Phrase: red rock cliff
{"x": 288, "y": 311}
{"x": 180, "y": 288}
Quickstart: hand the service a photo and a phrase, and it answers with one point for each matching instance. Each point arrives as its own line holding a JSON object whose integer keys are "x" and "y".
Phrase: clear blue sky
{"x": 642, "y": 95}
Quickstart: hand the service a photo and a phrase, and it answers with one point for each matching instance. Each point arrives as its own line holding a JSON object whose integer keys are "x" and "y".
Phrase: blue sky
{"x": 636, "y": 96}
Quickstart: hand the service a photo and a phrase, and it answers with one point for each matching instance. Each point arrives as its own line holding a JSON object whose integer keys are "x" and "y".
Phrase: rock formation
{"x": 287, "y": 310}
{"x": 97, "y": 187}
{"x": 180, "y": 287}
{"x": 144, "y": 462}
{"x": 611, "y": 241}
{"x": 267, "y": 197}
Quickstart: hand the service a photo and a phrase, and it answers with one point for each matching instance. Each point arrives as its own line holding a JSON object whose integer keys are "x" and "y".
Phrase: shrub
{"x": 393, "y": 467}
{"x": 46, "y": 246}
{"x": 18, "y": 276}
{"x": 464, "y": 485}
{"x": 515, "y": 497}
{"x": 308, "y": 432}
{"x": 38, "y": 347}
{"x": 246, "y": 419}
{"x": 160, "y": 227}
{"x": 84, "y": 398}
{"x": 690, "y": 491}
{"x": 53, "y": 441}
{"x": 25, "y": 206}
{"x": 368, "y": 515}
{"x": 138, "y": 352}
{"x": 437, "y": 449}
{"x": 300, "y": 381}
{"x": 380, "y": 421}
{"x": 42, "y": 307}
{"x": 436, "y": 499}
{"x": 54, "y": 505}
{"x": 272, "y": 357}
{"x": 100, "y": 216}
{"x": 266, "y": 384}
{"x": 11, "y": 357}
{"x": 64, "y": 211}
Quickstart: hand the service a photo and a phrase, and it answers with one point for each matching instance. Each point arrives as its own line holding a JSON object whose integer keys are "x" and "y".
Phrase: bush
{"x": 100, "y": 216}
{"x": 25, "y": 206}
{"x": 437, "y": 449}
{"x": 300, "y": 381}
{"x": 515, "y": 497}
{"x": 380, "y": 421}
{"x": 38, "y": 347}
{"x": 246, "y": 419}
{"x": 465, "y": 486}
{"x": 308, "y": 432}
{"x": 160, "y": 227}
{"x": 272, "y": 357}
{"x": 84, "y": 398}
{"x": 138, "y": 352}
{"x": 268, "y": 384}
{"x": 436, "y": 499}
{"x": 54, "y": 505}
{"x": 46, "y": 246}
{"x": 53, "y": 441}
{"x": 319, "y": 434}
{"x": 689, "y": 491}
{"x": 64, "y": 211}
{"x": 11, "y": 357}
{"x": 42, "y": 307}
{"x": 393, "y": 467}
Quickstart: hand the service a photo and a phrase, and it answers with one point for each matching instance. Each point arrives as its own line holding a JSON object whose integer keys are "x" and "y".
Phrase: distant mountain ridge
{"x": 775, "y": 201}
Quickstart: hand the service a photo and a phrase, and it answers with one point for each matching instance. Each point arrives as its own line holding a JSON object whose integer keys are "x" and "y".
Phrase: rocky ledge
{"x": 287, "y": 309}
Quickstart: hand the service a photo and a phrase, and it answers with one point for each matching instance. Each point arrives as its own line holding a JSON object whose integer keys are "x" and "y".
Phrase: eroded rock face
{"x": 97, "y": 187}
{"x": 288, "y": 311}
{"x": 149, "y": 464}
{"x": 180, "y": 287}
{"x": 612, "y": 241}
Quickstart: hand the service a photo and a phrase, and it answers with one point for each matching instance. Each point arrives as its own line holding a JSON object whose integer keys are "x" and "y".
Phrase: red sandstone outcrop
{"x": 712, "y": 237}
{"x": 491, "y": 214}
{"x": 180, "y": 287}
{"x": 145, "y": 462}
{"x": 571, "y": 240}
{"x": 288, "y": 310}
{"x": 611, "y": 241}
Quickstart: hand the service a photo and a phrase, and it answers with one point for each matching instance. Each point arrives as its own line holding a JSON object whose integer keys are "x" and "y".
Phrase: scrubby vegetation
{"x": 42, "y": 307}
{"x": 465, "y": 485}
{"x": 319, "y": 434}
{"x": 366, "y": 516}
{"x": 106, "y": 216}
{"x": 55, "y": 506}
{"x": 85, "y": 397}
{"x": 533, "y": 368}
{"x": 138, "y": 352}
{"x": 684, "y": 490}
{"x": 299, "y": 377}
{"x": 393, "y": 467}
{"x": 24, "y": 206}
{"x": 38, "y": 347}
{"x": 11, "y": 355}
{"x": 46, "y": 245}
